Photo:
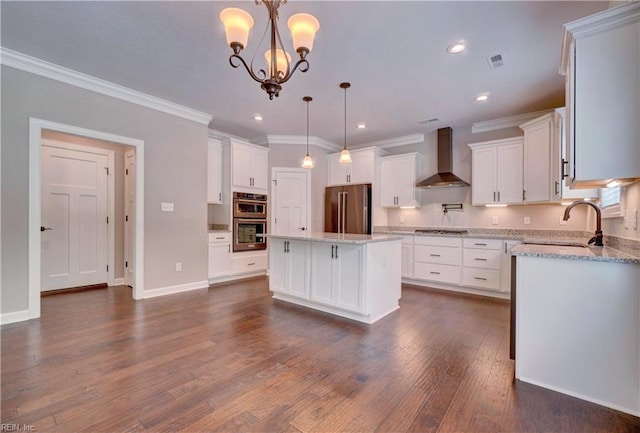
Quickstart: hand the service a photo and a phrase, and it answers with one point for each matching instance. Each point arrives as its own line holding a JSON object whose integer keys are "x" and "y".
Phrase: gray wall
{"x": 175, "y": 171}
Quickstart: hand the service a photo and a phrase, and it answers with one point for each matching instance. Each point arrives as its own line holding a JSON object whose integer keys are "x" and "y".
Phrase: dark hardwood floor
{"x": 232, "y": 359}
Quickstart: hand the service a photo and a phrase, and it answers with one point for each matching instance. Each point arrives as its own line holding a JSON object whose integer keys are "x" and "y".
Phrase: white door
{"x": 290, "y": 201}
{"x": 74, "y": 218}
{"x": 129, "y": 216}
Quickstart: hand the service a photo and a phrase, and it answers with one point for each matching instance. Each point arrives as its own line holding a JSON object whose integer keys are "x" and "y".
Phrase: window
{"x": 610, "y": 202}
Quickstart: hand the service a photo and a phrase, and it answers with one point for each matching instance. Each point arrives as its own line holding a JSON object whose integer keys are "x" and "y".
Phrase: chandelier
{"x": 237, "y": 24}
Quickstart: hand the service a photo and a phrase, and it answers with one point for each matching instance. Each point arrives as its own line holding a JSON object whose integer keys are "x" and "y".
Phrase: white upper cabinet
{"x": 537, "y": 173}
{"x": 214, "y": 172}
{"x": 249, "y": 166}
{"x": 601, "y": 61}
{"x": 361, "y": 169}
{"x": 496, "y": 171}
{"x": 398, "y": 176}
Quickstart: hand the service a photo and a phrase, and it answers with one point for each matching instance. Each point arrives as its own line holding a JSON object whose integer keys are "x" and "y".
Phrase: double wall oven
{"x": 249, "y": 221}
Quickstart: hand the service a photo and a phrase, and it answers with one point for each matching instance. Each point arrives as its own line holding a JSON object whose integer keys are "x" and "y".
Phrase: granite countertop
{"x": 560, "y": 244}
{"x": 345, "y": 238}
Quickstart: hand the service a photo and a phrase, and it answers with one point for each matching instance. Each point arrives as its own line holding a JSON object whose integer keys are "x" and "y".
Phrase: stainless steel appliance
{"x": 247, "y": 205}
{"x": 249, "y": 221}
{"x": 444, "y": 177}
{"x": 347, "y": 209}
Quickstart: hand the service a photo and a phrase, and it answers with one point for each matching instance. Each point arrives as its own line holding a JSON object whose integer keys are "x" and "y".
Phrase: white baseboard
{"x": 116, "y": 282}
{"x": 16, "y": 316}
{"x": 161, "y": 291}
{"x": 236, "y": 277}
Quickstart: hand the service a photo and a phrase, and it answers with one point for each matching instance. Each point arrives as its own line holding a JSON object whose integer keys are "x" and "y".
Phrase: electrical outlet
{"x": 494, "y": 220}
{"x": 166, "y": 207}
{"x": 527, "y": 220}
{"x": 178, "y": 266}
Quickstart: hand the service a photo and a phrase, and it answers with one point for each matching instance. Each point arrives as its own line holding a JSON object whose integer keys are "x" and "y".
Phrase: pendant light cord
{"x": 345, "y": 118}
{"x": 307, "y": 127}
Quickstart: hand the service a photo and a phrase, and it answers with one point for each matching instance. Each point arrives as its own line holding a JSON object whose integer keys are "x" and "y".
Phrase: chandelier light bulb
{"x": 283, "y": 60}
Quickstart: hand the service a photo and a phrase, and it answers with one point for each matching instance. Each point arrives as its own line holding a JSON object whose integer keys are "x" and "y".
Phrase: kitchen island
{"x": 577, "y": 322}
{"x": 353, "y": 276}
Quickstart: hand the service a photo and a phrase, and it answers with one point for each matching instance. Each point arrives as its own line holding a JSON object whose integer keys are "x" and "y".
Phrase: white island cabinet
{"x": 353, "y": 276}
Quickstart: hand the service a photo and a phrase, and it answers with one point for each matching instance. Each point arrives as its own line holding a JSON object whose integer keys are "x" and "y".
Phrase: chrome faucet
{"x": 598, "y": 237}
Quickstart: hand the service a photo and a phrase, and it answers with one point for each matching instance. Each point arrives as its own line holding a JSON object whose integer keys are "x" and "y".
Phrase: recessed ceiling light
{"x": 483, "y": 97}
{"x": 257, "y": 118}
{"x": 362, "y": 125}
{"x": 456, "y": 47}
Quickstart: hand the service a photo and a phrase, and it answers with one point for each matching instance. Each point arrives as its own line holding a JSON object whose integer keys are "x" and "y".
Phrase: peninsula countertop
{"x": 343, "y": 238}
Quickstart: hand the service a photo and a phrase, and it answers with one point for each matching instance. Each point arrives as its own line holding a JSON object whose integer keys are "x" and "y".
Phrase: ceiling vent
{"x": 430, "y": 120}
{"x": 495, "y": 61}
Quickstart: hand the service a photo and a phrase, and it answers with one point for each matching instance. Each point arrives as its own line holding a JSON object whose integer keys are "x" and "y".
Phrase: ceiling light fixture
{"x": 345, "y": 156}
{"x": 237, "y": 24}
{"x": 483, "y": 97}
{"x": 307, "y": 162}
{"x": 456, "y": 47}
{"x": 257, "y": 118}
{"x": 362, "y": 125}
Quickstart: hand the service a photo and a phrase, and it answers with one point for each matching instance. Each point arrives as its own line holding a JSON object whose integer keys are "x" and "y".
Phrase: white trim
{"x": 561, "y": 390}
{"x": 35, "y": 135}
{"x": 455, "y": 288}
{"x": 23, "y": 62}
{"x": 506, "y": 122}
{"x": 179, "y": 288}
{"x": 117, "y": 282}
{"x": 399, "y": 141}
{"x": 296, "y": 139}
{"x": 16, "y": 316}
{"x": 111, "y": 193}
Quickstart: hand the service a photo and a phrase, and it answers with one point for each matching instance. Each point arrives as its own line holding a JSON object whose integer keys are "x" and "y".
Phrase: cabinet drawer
{"x": 485, "y": 259}
{"x": 485, "y": 244}
{"x": 482, "y": 278}
{"x": 440, "y": 255}
{"x": 244, "y": 264}
{"x": 437, "y": 241}
{"x": 220, "y": 237}
{"x": 440, "y": 273}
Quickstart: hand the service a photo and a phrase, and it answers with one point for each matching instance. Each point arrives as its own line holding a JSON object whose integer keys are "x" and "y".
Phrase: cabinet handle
{"x": 219, "y": 237}
{"x": 229, "y": 248}
{"x": 498, "y": 195}
{"x": 494, "y": 196}
{"x": 564, "y": 163}
{"x": 434, "y": 255}
{"x": 557, "y": 187}
{"x": 336, "y": 251}
{"x": 250, "y": 264}
{"x": 480, "y": 259}
{"x": 288, "y": 244}
{"x": 219, "y": 196}
{"x": 480, "y": 278}
{"x": 480, "y": 244}
{"x": 524, "y": 195}
{"x": 332, "y": 253}
{"x": 434, "y": 272}
{"x": 284, "y": 246}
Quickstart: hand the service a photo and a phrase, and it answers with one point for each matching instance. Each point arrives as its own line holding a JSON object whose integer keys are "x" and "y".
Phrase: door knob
{"x": 302, "y": 228}
{"x": 42, "y": 228}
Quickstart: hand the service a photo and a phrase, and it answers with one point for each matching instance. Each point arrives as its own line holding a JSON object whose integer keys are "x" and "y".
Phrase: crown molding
{"x": 506, "y": 122}
{"x": 33, "y": 65}
{"x": 398, "y": 141}
{"x": 267, "y": 140}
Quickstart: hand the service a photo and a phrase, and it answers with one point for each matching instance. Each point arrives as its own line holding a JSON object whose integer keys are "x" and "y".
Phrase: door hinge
{"x": 107, "y": 220}
{"x": 126, "y": 218}
{"x": 126, "y": 264}
{"x": 126, "y": 171}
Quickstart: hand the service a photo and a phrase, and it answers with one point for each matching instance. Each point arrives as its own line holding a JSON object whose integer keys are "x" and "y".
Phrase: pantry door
{"x": 74, "y": 208}
{"x": 290, "y": 201}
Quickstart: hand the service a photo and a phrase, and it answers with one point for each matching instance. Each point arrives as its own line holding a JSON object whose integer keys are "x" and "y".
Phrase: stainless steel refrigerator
{"x": 347, "y": 209}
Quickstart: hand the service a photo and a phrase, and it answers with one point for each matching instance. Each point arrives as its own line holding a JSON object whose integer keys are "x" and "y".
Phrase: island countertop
{"x": 342, "y": 238}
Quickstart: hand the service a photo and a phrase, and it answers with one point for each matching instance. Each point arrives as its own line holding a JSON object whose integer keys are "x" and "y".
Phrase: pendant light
{"x": 307, "y": 162}
{"x": 345, "y": 156}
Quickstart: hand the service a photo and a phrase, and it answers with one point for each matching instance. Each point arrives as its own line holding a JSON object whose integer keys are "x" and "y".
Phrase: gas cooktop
{"x": 443, "y": 231}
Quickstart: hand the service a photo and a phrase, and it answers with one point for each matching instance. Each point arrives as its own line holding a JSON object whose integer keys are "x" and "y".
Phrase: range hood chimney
{"x": 444, "y": 177}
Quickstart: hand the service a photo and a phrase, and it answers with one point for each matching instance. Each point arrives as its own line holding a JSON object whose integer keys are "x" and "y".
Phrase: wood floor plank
{"x": 232, "y": 359}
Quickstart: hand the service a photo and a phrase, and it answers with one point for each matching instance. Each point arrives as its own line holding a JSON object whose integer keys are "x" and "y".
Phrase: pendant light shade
{"x": 307, "y": 162}
{"x": 345, "y": 155}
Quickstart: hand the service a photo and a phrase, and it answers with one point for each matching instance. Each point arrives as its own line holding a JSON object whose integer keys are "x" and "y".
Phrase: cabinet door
{"x": 260, "y": 169}
{"x": 298, "y": 268}
{"x": 322, "y": 275}
{"x": 537, "y": 161}
{"x": 337, "y": 171}
{"x": 362, "y": 167}
{"x": 407, "y": 261}
{"x": 406, "y": 175}
{"x": 349, "y": 294}
{"x": 277, "y": 266}
{"x": 219, "y": 259}
{"x": 484, "y": 176}
{"x": 241, "y": 172}
{"x": 214, "y": 173}
{"x": 388, "y": 184}
{"x": 509, "y": 173}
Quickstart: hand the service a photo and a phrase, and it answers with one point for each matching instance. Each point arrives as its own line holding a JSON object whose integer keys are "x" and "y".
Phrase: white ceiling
{"x": 392, "y": 52}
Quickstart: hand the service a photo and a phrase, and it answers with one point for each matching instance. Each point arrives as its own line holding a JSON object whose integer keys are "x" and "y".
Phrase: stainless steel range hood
{"x": 444, "y": 177}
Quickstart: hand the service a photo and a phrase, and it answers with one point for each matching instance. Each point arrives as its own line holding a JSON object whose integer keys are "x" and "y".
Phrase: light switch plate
{"x": 527, "y": 220}
{"x": 166, "y": 207}
{"x": 494, "y": 220}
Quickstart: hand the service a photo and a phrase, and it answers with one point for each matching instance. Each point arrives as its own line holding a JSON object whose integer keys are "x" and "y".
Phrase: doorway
{"x": 290, "y": 200}
{"x": 36, "y": 128}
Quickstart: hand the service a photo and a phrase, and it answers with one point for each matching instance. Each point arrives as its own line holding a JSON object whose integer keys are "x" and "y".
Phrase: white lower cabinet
{"x": 249, "y": 262}
{"x": 337, "y": 275}
{"x": 407, "y": 257}
{"x": 482, "y": 263}
{"x": 289, "y": 262}
{"x": 437, "y": 259}
{"x": 219, "y": 255}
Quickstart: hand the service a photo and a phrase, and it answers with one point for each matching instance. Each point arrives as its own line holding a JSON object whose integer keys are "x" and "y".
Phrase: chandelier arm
{"x": 287, "y": 73}
{"x": 241, "y": 60}
{"x": 303, "y": 64}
